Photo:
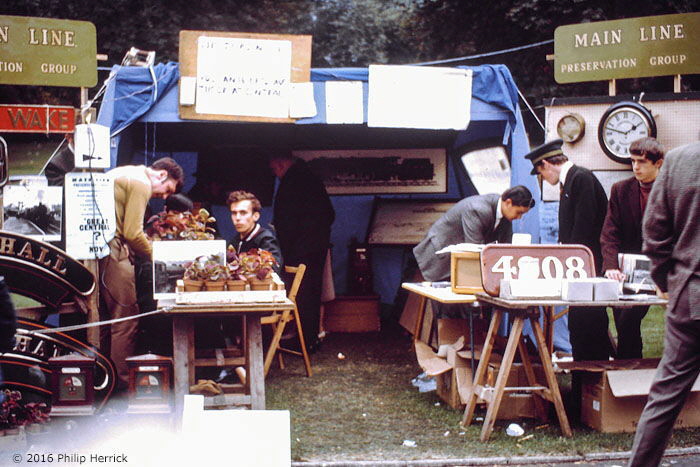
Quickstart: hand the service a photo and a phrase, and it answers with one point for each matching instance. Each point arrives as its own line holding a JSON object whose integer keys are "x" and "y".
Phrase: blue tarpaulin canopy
{"x": 150, "y": 97}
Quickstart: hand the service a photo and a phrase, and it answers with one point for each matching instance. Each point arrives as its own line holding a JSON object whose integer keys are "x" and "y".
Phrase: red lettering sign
{"x": 37, "y": 119}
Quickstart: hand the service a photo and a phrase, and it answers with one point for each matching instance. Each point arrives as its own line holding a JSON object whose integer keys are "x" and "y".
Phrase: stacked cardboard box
{"x": 614, "y": 394}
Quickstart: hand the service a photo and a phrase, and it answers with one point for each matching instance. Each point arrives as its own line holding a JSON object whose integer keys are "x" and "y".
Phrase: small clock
{"x": 620, "y": 125}
{"x": 571, "y": 127}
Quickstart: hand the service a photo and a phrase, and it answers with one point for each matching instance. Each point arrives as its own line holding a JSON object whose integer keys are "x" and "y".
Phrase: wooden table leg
{"x": 255, "y": 380}
{"x": 551, "y": 378}
{"x": 183, "y": 360}
{"x": 483, "y": 366}
{"x": 495, "y": 403}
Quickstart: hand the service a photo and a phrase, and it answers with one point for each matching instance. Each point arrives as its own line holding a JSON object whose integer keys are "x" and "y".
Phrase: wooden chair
{"x": 279, "y": 322}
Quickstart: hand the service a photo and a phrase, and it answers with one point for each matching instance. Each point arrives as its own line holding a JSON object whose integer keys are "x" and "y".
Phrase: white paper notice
{"x": 302, "y": 102}
{"x": 90, "y": 218}
{"x": 419, "y": 97}
{"x": 247, "y": 77}
{"x": 344, "y": 102}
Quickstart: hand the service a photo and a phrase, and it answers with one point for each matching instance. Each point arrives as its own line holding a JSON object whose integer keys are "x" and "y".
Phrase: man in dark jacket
{"x": 582, "y": 208}
{"x": 302, "y": 219}
{"x": 477, "y": 219}
{"x": 622, "y": 233}
{"x": 671, "y": 240}
{"x": 245, "y": 212}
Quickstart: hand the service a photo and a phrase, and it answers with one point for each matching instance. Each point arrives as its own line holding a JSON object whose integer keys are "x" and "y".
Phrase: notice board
{"x": 235, "y": 76}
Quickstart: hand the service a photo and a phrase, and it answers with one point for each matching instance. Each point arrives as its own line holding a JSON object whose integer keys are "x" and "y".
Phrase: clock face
{"x": 620, "y": 126}
{"x": 570, "y": 128}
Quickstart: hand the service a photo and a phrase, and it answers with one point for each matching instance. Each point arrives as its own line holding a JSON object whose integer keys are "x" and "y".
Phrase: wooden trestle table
{"x": 519, "y": 311}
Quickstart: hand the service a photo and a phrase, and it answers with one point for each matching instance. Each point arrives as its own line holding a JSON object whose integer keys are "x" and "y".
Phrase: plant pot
{"x": 258, "y": 284}
{"x": 193, "y": 285}
{"x": 235, "y": 285}
{"x": 214, "y": 286}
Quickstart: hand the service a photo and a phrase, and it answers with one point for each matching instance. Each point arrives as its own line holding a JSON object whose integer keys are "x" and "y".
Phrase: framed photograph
{"x": 379, "y": 171}
{"x": 170, "y": 258}
{"x": 487, "y": 165}
{"x": 33, "y": 209}
{"x": 404, "y": 222}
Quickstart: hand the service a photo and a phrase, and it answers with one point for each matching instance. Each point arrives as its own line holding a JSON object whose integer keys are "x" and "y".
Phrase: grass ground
{"x": 363, "y": 407}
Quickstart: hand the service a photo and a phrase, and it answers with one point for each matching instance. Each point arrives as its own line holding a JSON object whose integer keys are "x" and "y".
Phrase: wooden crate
{"x": 465, "y": 272}
{"x": 352, "y": 314}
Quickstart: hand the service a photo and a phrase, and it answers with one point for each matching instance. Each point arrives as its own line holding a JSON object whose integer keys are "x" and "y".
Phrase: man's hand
{"x": 615, "y": 274}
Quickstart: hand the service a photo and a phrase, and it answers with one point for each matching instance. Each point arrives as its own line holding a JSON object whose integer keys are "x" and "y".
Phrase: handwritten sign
{"x": 90, "y": 217}
{"x": 238, "y": 76}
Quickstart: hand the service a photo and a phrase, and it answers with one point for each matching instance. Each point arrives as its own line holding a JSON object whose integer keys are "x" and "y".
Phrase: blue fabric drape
{"x": 135, "y": 91}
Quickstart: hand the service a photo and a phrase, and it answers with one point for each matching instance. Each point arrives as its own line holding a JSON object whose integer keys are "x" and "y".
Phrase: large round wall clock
{"x": 620, "y": 125}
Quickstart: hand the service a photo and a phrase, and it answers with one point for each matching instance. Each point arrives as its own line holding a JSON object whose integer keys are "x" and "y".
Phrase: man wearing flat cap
{"x": 582, "y": 208}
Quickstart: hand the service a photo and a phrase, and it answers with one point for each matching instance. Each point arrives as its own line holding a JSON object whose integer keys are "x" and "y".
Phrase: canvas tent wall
{"x": 141, "y": 108}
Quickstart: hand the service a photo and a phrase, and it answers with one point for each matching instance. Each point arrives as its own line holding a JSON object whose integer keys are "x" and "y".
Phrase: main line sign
{"x": 37, "y": 119}
{"x": 628, "y": 48}
{"x": 47, "y": 52}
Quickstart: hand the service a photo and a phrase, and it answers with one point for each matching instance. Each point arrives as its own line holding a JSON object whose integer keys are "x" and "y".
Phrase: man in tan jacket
{"x": 134, "y": 186}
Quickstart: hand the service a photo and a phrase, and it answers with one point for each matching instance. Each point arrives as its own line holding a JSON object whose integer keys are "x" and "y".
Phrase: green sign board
{"x": 627, "y": 48}
{"x": 47, "y": 52}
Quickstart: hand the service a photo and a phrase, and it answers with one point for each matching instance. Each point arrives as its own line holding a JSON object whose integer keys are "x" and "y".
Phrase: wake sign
{"x": 37, "y": 119}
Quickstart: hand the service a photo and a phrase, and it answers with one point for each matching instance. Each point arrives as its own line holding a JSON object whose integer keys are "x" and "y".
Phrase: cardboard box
{"x": 514, "y": 404}
{"x": 605, "y": 289}
{"x": 530, "y": 288}
{"x": 352, "y": 314}
{"x": 465, "y": 272}
{"x": 612, "y": 400}
{"x": 453, "y": 387}
{"x": 577, "y": 290}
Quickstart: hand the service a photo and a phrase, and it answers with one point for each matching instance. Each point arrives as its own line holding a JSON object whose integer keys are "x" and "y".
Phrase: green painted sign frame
{"x": 47, "y": 52}
{"x": 628, "y": 48}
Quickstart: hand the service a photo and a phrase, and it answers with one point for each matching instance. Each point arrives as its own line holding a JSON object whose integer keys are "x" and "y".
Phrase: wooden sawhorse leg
{"x": 553, "y": 386}
{"x": 493, "y": 396}
{"x": 480, "y": 376}
{"x": 494, "y": 399}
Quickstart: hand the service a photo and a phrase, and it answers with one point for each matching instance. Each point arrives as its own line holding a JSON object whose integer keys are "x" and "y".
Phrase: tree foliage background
{"x": 348, "y": 33}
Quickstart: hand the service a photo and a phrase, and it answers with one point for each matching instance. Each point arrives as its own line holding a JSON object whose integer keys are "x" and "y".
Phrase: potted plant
{"x": 15, "y": 414}
{"x": 236, "y": 280}
{"x": 215, "y": 273}
{"x": 257, "y": 265}
{"x": 193, "y": 276}
{"x": 173, "y": 225}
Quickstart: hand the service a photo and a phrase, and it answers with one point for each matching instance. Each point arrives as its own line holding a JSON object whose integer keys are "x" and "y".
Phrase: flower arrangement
{"x": 173, "y": 225}
{"x": 257, "y": 263}
{"x": 14, "y": 413}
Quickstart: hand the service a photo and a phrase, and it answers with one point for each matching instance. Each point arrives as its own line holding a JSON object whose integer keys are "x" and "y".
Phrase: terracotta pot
{"x": 235, "y": 285}
{"x": 193, "y": 285}
{"x": 257, "y": 284}
{"x": 214, "y": 286}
